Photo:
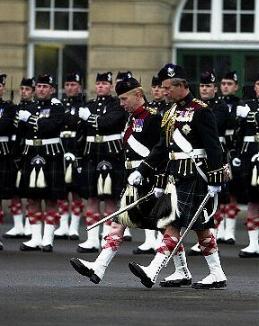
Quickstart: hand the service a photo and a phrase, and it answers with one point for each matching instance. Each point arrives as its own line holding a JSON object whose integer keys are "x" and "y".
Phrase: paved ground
{"x": 43, "y": 289}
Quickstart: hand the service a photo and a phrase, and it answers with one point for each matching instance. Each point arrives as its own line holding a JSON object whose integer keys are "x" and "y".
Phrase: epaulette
{"x": 152, "y": 110}
{"x": 201, "y": 103}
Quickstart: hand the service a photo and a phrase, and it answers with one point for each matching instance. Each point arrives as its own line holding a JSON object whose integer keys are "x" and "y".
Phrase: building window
{"x": 58, "y": 36}
{"x": 196, "y": 16}
{"x": 65, "y": 15}
{"x": 238, "y": 16}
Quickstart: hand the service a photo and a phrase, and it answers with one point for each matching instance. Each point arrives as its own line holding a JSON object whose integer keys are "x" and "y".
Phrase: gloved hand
{"x": 242, "y": 111}
{"x": 135, "y": 178}
{"x": 236, "y": 162}
{"x": 158, "y": 192}
{"x": 213, "y": 190}
{"x": 24, "y": 115}
{"x": 84, "y": 113}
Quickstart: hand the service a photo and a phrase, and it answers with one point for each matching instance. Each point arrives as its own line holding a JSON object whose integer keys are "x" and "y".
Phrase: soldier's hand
{"x": 213, "y": 190}
{"x": 158, "y": 192}
{"x": 24, "y": 115}
{"x": 242, "y": 111}
{"x": 135, "y": 178}
{"x": 84, "y": 113}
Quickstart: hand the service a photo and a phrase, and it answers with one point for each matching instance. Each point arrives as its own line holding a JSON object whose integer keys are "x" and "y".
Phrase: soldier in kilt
{"x": 102, "y": 173}
{"x": 19, "y": 229}
{"x": 42, "y": 166}
{"x": 7, "y": 167}
{"x": 141, "y": 134}
{"x": 229, "y": 211}
{"x": 248, "y": 161}
{"x": 208, "y": 94}
{"x": 159, "y": 104}
{"x": 72, "y": 101}
{"x": 190, "y": 144}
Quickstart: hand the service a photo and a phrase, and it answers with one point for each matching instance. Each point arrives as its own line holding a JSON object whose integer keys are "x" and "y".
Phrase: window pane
{"x": 229, "y": 23}
{"x": 62, "y": 4}
{"x": 247, "y": 5}
{"x": 80, "y": 21}
{"x": 42, "y": 20}
{"x": 189, "y": 4}
{"x": 80, "y": 4}
{"x": 247, "y": 24}
{"x": 186, "y": 23}
{"x": 42, "y": 3}
{"x": 204, "y": 4}
{"x": 203, "y": 23}
{"x": 46, "y": 60}
{"x": 61, "y": 21}
{"x": 230, "y": 4}
{"x": 74, "y": 60}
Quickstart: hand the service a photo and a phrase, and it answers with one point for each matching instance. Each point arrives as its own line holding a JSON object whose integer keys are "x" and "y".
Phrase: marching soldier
{"x": 42, "y": 166}
{"x": 208, "y": 94}
{"x": 159, "y": 104}
{"x": 72, "y": 102}
{"x": 7, "y": 168}
{"x": 103, "y": 122}
{"x": 141, "y": 134}
{"x": 189, "y": 138}
{"x": 248, "y": 161}
{"x": 26, "y": 90}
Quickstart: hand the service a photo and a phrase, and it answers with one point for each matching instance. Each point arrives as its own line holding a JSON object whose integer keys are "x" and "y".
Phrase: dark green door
{"x": 246, "y": 64}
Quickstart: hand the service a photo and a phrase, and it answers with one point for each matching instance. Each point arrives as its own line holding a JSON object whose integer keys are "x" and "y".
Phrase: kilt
{"x": 7, "y": 176}
{"x": 53, "y": 169}
{"x": 91, "y": 166}
{"x": 190, "y": 193}
{"x": 70, "y": 146}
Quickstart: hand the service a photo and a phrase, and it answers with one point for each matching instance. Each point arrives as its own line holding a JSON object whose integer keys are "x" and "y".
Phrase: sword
{"x": 122, "y": 210}
{"x": 193, "y": 220}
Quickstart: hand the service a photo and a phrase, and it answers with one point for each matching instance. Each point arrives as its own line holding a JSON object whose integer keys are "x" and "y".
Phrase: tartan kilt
{"x": 8, "y": 173}
{"x": 53, "y": 170}
{"x": 190, "y": 193}
{"x": 88, "y": 177}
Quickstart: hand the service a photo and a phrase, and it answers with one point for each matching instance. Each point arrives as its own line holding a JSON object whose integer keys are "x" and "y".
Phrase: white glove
{"x": 242, "y": 111}
{"x": 84, "y": 113}
{"x": 24, "y": 115}
{"x": 158, "y": 192}
{"x": 236, "y": 162}
{"x": 213, "y": 190}
{"x": 135, "y": 178}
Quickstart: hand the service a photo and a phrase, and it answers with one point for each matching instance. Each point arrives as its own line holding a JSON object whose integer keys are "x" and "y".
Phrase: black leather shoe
{"x": 23, "y": 247}
{"x": 74, "y": 237}
{"x": 175, "y": 283}
{"x": 230, "y": 241}
{"x": 138, "y": 271}
{"x": 61, "y": 237}
{"x": 127, "y": 238}
{"x": 14, "y": 236}
{"x": 139, "y": 251}
{"x": 85, "y": 271}
{"x": 245, "y": 254}
{"x": 214, "y": 285}
{"x": 194, "y": 253}
{"x": 48, "y": 248}
{"x": 86, "y": 250}
{"x": 220, "y": 240}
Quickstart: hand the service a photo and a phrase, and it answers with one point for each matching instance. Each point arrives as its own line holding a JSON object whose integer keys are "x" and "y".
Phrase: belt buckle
{"x": 257, "y": 137}
{"x": 98, "y": 139}
{"x": 173, "y": 156}
{"x": 66, "y": 134}
{"x": 128, "y": 165}
{"x": 37, "y": 142}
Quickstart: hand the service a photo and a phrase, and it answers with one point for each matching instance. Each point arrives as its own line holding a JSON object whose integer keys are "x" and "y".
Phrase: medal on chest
{"x": 44, "y": 113}
{"x": 138, "y": 125}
